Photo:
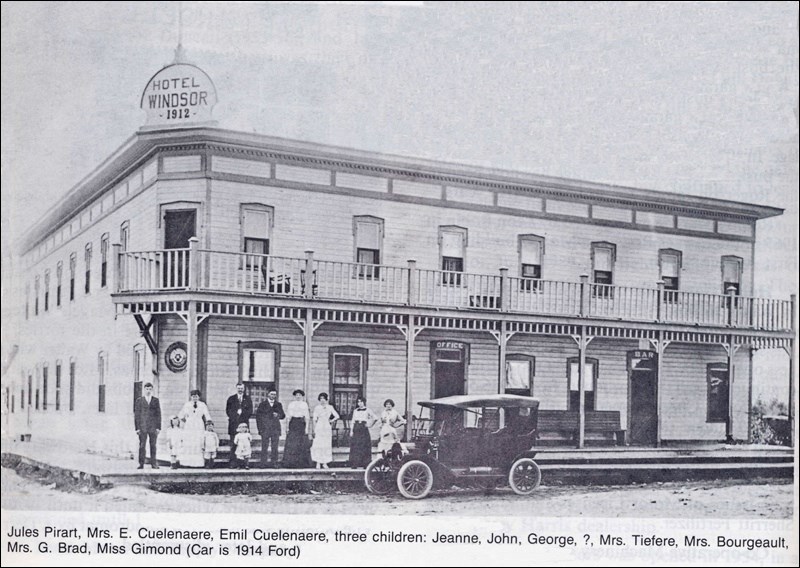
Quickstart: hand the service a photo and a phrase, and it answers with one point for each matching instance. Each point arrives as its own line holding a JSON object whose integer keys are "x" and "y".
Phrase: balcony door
{"x": 643, "y": 388}
{"x": 179, "y": 226}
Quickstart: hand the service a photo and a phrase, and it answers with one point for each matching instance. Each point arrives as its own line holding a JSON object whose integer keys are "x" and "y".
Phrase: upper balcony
{"x": 179, "y": 270}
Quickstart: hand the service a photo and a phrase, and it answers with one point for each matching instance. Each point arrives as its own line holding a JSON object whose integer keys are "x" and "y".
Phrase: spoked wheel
{"x": 415, "y": 479}
{"x": 525, "y": 476}
{"x": 378, "y": 477}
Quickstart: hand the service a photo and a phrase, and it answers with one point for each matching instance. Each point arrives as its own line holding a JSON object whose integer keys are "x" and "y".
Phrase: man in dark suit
{"x": 268, "y": 420}
{"x": 147, "y": 420}
{"x": 239, "y": 409}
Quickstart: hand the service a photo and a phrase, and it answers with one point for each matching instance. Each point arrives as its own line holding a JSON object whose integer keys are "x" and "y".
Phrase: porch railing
{"x": 197, "y": 269}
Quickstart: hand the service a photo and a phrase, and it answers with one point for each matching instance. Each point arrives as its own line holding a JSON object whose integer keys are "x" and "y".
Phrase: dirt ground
{"x": 751, "y": 499}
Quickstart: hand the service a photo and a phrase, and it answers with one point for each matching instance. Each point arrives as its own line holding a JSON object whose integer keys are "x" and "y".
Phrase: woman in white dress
{"x": 194, "y": 416}
{"x": 390, "y": 422}
{"x": 325, "y": 416}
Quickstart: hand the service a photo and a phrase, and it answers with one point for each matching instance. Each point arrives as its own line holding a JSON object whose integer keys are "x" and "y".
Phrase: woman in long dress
{"x": 360, "y": 442}
{"x": 325, "y": 416}
{"x": 390, "y": 422}
{"x": 295, "y": 452}
{"x": 194, "y": 416}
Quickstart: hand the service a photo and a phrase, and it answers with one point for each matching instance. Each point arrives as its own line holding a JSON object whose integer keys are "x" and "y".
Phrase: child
{"x": 210, "y": 445}
{"x": 242, "y": 441}
{"x": 174, "y": 440}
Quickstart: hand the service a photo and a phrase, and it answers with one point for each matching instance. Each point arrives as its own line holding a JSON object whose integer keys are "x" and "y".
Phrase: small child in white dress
{"x": 210, "y": 445}
{"x": 174, "y": 440}
{"x": 243, "y": 441}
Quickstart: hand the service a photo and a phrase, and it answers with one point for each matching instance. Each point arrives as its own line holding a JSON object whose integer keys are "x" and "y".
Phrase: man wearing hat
{"x": 147, "y": 420}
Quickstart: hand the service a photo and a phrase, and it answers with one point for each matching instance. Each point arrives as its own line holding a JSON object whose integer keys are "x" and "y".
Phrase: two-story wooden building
{"x": 199, "y": 257}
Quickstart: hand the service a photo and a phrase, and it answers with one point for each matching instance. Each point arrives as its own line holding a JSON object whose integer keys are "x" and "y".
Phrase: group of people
{"x": 193, "y": 442}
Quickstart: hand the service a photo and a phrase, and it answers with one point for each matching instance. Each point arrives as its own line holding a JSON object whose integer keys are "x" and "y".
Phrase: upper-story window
{"x": 58, "y": 384}
{"x": 669, "y": 267}
{"x": 531, "y": 254}
{"x": 36, "y": 296}
{"x": 88, "y": 272}
{"x": 102, "y": 362}
{"x": 124, "y": 235}
{"x": 27, "y": 299}
{"x": 103, "y": 260}
{"x": 73, "y": 263}
{"x": 59, "y": 277}
{"x": 368, "y": 238}
{"x": 604, "y": 256}
{"x": 46, "y": 290}
{"x": 45, "y": 377}
{"x": 453, "y": 251}
{"x": 256, "y": 228}
{"x": 732, "y": 274}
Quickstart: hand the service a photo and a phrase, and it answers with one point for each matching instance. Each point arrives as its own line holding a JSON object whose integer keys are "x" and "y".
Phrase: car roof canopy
{"x": 486, "y": 400}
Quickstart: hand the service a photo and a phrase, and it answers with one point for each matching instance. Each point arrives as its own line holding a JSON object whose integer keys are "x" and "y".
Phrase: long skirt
{"x": 360, "y": 446}
{"x": 296, "y": 451}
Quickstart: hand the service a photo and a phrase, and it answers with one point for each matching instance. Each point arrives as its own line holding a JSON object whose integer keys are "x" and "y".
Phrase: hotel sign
{"x": 178, "y": 95}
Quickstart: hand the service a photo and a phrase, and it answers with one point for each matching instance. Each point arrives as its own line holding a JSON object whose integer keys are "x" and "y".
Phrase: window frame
{"x": 368, "y": 270}
{"x": 47, "y": 290}
{"x": 450, "y": 277}
{"x": 530, "y": 283}
{"x": 59, "y": 279}
{"x": 102, "y": 365}
{"x": 124, "y": 235}
{"x": 45, "y": 379}
{"x": 261, "y": 208}
{"x": 73, "y": 364}
{"x": 531, "y": 373}
{"x": 595, "y": 375}
{"x": 104, "y": 260}
{"x": 58, "y": 385}
{"x": 600, "y": 289}
{"x": 73, "y": 267}
{"x": 334, "y": 387}
{"x": 36, "y": 286}
{"x": 87, "y": 257}
{"x": 740, "y": 265}
{"x": 257, "y": 390}
{"x": 711, "y": 410}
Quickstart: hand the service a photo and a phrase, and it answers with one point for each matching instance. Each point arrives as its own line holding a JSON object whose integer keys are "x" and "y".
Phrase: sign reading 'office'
{"x": 178, "y": 95}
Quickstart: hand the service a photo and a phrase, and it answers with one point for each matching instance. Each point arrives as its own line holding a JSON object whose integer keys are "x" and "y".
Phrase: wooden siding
{"x": 174, "y": 164}
{"x": 411, "y": 231}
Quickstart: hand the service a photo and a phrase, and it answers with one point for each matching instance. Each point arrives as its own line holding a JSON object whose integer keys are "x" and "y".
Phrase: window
{"x": 59, "y": 275}
{"x": 256, "y": 228}
{"x": 58, "y": 385}
{"x": 731, "y": 274}
{"x": 718, "y": 392}
{"x": 604, "y": 255}
{"x": 103, "y": 260}
{"x": 259, "y": 363}
{"x": 368, "y": 238}
{"x": 88, "y": 259}
{"x": 36, "y": 296}
{"x": 531, "y": 251}
{"x": 27, "y": 300}
{"x": 101, "y": 381}
{"x": 138, "y": 372}
{"x": 124, "y": 235}
{"x": 72, "y": 384}
{"x": 38, "y": 390}
{"x": 348, "y": 369}
{"x": 45, "y": 372}
{"x": 452, "y": 250}
{"x": 520, "y": 370}
{"x": 46, "y": 290}
{"x": 73, "y": 262}
{"x": 589, "y": 386}
{"x": 669, "y": 268}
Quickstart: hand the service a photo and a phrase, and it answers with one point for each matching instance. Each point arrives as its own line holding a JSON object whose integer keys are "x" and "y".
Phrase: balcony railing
{"x": 197, "y": 269}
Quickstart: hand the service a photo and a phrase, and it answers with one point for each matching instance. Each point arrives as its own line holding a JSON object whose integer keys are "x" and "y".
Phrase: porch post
{"x": 584, "y": 300}
{"x": 310, "y": 280}
{"x": 194, "y": 263}
{"x": 659, "y": 366}
{"x": 191, "y": 346}
{"x": 505, "y": 291}
{"x": 308, "y": 332}
{"x": 581, "y": 387}
{"x": 411, "y": 335}
{"x": 729, "y": 419}
{"x": 502, "y": 371}
{"x": 412, "y": 282}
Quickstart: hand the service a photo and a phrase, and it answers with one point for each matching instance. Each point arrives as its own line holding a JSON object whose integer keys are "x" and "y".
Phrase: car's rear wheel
{"x": 415, "y": 479}
{"x": 525, "y": 476}
{"x": 378, "y": 477}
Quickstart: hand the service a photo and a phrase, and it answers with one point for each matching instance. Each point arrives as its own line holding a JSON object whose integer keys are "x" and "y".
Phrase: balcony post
{"x": 194, "y": 262}
{"x": 308, "y": 286}
{"x": 412, "y": 282}
{"x": 659, "y": 300}
{"x": 116, "y": 267}
{"x": 731, "y": 291}
{"x": 584, "y": 289}
{"x": 505, "y": 291}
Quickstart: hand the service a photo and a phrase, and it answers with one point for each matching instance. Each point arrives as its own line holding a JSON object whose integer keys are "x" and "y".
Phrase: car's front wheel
{"x": 378, "y": 477}
{"x": 525, "y": 476}
{"x": 415, "y": 479}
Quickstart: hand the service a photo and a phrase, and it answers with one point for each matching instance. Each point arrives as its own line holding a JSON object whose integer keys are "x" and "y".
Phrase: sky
{"x": 689, "y": 98}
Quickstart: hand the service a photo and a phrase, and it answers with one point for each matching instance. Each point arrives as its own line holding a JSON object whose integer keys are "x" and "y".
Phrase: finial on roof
{"x": 180, "y": 54}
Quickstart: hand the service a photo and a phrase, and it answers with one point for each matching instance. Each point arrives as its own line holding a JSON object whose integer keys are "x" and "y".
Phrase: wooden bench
{"x": 563, "y": 425}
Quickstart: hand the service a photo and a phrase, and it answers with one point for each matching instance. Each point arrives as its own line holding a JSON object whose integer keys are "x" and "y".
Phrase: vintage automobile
{"x": 471, "y": 440}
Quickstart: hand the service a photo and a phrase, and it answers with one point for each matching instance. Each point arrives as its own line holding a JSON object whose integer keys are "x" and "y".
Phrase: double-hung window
{"x": 452, "y": 250}
{"x": 604, "y": 255}
{"x": 368, "y": 233}
{"x": 531, "y": 253}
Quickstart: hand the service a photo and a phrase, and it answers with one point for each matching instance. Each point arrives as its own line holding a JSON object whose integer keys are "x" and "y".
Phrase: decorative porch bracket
{"x": 144, "y": 330}
{"x": 660, "y": 345}
{"x": 410, "y": 331}
{"x": 583, "y": 341}
{"x": 502, "y": 337}
{"x": 308, "y": 326}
